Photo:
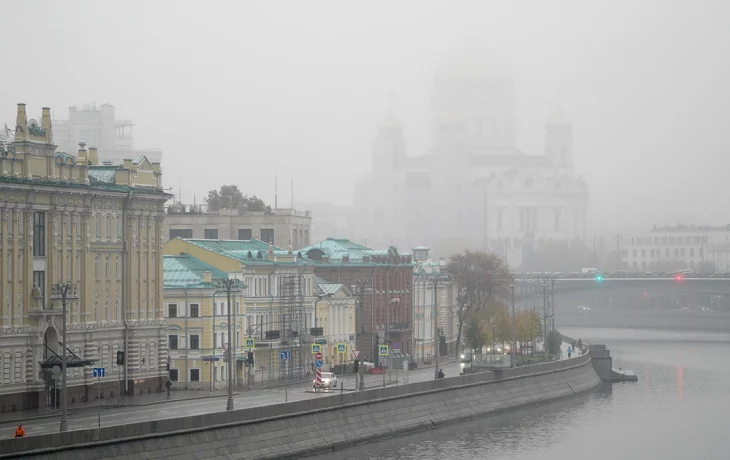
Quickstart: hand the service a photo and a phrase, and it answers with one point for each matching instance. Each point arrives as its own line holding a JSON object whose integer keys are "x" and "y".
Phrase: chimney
{"x": 21, "y": 123}
{"x": 82, "y": 150}
{"x": 46, "y": 124}
{"x": 127, "y": 164}
{"x": 207, "y": 276}
{"x": 93, "y": 156}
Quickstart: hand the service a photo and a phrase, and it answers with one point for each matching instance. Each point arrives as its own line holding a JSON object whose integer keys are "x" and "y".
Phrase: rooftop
{"x": 185, "y": 271}
{"x": 339, "y": 250}
{"x": 251, "y": 251}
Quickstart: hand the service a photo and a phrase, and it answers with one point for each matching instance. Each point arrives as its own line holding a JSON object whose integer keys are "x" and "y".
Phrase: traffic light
{"x": 120, "y": 358}
{"x": 249, "y": 361}
{"x": 678, "y": 277}
{"x": 168, "y": 365}
{"x": 357, "y": 365}
{"x": 599, "y": 277}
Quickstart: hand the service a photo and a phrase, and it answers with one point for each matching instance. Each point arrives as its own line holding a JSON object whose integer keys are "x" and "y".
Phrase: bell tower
{"x": 389, "y": 147}
{"x": 559, "y": 140}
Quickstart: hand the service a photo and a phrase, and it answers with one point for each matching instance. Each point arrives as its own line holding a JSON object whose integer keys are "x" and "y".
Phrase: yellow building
{"x": 279, "y": 306}
{"x": 68, "y": 219}
{"x": 197, "y": 324}
{"x": 336, "y": 317}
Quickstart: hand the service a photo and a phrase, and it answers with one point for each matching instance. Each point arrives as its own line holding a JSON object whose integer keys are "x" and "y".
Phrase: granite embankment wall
{"x": 299, "y": 428}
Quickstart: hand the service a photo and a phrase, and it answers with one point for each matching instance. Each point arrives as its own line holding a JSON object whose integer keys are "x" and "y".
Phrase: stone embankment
{"x": 301, "y": 428}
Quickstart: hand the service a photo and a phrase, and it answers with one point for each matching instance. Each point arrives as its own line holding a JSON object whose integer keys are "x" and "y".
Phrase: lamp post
{"x": 230, "y": 284}
{"x": 436, "y": 338}
{"x": 64, "y": 292}
{"x": 545, "y": 319}
{"x": 514, "y": 326}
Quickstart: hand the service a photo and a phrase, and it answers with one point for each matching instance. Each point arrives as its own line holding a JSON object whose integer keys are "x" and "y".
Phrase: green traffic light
{"x": 599, "y": 278}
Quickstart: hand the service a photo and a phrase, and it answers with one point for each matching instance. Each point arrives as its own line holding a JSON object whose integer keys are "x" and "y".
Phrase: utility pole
{"x": 514, "y": 326}
{"x": 64, "y": 291}
{"x": 618, "y": 253}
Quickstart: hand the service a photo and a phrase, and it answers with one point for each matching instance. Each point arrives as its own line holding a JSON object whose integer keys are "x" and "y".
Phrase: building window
{"x": 194, "y": 310}
{"x": 634, "y": 251}
{"x": 691, "y": 252}
{"x": 108, "y": 227}
{"x": 39, "y": 280}
{"x": 96, "y": 268}
{"x": 117, "y": 269}
{"x": 267, "y": 235}
{"x": 195, "y": 342}
{"x": 174, "y": 375}
{"x": 39, "y": 234}
{"x": 181, "y": 233}
{"x": 244, "y": 234}
{"x": 195, "y": 375}
{"x": 172, "y": 310}
{"x": 107, "y": 268}
{"x": 211, "y": 233}
{"x": 98, "y": 226}
{"x": 172, "y": 342}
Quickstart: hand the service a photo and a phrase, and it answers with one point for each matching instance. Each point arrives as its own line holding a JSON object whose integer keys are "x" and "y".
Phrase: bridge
{"x": 685, "y": 301}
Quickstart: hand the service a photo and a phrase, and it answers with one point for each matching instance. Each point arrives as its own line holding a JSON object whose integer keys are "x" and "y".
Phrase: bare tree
{"x": 479, "y": 277}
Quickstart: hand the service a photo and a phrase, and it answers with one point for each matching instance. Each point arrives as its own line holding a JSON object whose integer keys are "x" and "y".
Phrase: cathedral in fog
{"x": 474, "y": 188}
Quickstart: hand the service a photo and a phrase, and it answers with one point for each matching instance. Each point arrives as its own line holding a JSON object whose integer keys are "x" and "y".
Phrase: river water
{"x": 679, "y": 409}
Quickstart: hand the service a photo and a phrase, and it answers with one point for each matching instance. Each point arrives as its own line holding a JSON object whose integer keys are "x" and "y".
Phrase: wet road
{"x": 88, "y": 417}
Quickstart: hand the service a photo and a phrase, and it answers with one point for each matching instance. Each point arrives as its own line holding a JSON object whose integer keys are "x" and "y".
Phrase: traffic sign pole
{"x": 99, "y": 373}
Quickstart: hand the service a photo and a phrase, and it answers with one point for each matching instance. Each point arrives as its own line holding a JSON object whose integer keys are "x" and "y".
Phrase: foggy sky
{"x": 297, "y": 88}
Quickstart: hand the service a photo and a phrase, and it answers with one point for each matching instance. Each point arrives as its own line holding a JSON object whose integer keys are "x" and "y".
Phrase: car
{"x": 329, "y": 380}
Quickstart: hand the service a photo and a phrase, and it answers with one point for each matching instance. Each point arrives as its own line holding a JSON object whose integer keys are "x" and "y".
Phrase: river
{"x": 679, "y": 409}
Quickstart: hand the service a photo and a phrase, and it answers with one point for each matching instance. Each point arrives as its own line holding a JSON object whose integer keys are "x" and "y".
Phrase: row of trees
{"x": 484, "y": 294}
{"x": 230, "y": 197}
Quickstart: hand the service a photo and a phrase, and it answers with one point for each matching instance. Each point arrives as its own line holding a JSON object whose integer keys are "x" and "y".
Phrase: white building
{"x": 100, "y": 128}
{"x": 474, "y": 187}
{"x": 680, "y": 247}
{"x": 424, "y": 276}
{"x": 335, "y": 313}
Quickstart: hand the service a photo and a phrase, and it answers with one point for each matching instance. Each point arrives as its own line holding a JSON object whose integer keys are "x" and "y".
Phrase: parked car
{"x": 329, "y": 380}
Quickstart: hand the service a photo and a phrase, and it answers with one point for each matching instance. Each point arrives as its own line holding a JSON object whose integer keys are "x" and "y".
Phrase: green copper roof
{"x": 100, "y": 175}
{"x": 185, "y": 271}
{"x": 336, "y": 248}
{"x": 250, "y": 252}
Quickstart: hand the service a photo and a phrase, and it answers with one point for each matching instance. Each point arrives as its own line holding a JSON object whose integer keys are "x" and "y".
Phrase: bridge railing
{"x": 617, "y": 275}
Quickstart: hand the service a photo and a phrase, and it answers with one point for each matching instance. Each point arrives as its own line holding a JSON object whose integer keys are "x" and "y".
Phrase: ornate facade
{"x": 68, "y": 219}
{"x": 474, "y": 187}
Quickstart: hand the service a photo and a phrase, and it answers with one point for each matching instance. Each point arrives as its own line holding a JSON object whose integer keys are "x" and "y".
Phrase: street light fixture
{"x": 545, "y": 319}
{"x": 514, "y": 326}
{"x": 230, "y": 284}
{"x": 436, "y": 337}
{"x": 64, "y": 292}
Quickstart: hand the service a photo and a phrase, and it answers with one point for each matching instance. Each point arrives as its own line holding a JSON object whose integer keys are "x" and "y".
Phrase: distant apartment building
{"x": 99, "y": 127}
{"x": 680, "y": 247}
{"x": 278, "y": 227}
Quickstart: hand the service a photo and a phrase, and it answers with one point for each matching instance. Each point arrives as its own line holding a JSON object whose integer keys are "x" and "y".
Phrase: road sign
{"x": 396, "y": 351}
{"x": 316, "y": 348}
{"x": 355, "y": 354}
{"x": 318, "y": 364}
{"x": 250, "y": 343}
{"x": 98, "y": 372}
{"x": 226, "y": 354}
{"x": 383, "y": 350}
{"x": 396, "y": 345}
{"x": 319, "y": 376}
{"x": 285, "y": 354}
{"x": 341, "y": 348}
{"x": 210, "y": 358}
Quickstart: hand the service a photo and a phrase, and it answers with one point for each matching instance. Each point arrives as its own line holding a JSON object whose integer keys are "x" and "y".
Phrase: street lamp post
{"x": 545, "y": 319}
{"x": 514, "y": 325}
{"x": 436, "y": 338}
{"x": 64, "y": 291}
{"x": 230, "y": 284}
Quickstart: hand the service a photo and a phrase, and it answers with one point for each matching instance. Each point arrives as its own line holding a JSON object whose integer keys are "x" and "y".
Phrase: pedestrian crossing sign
{"x": 316, "y": 348}
{"x": 250, "y": 343}
{"x": 383, "y": 350}
{"x": 341, "y": 348}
